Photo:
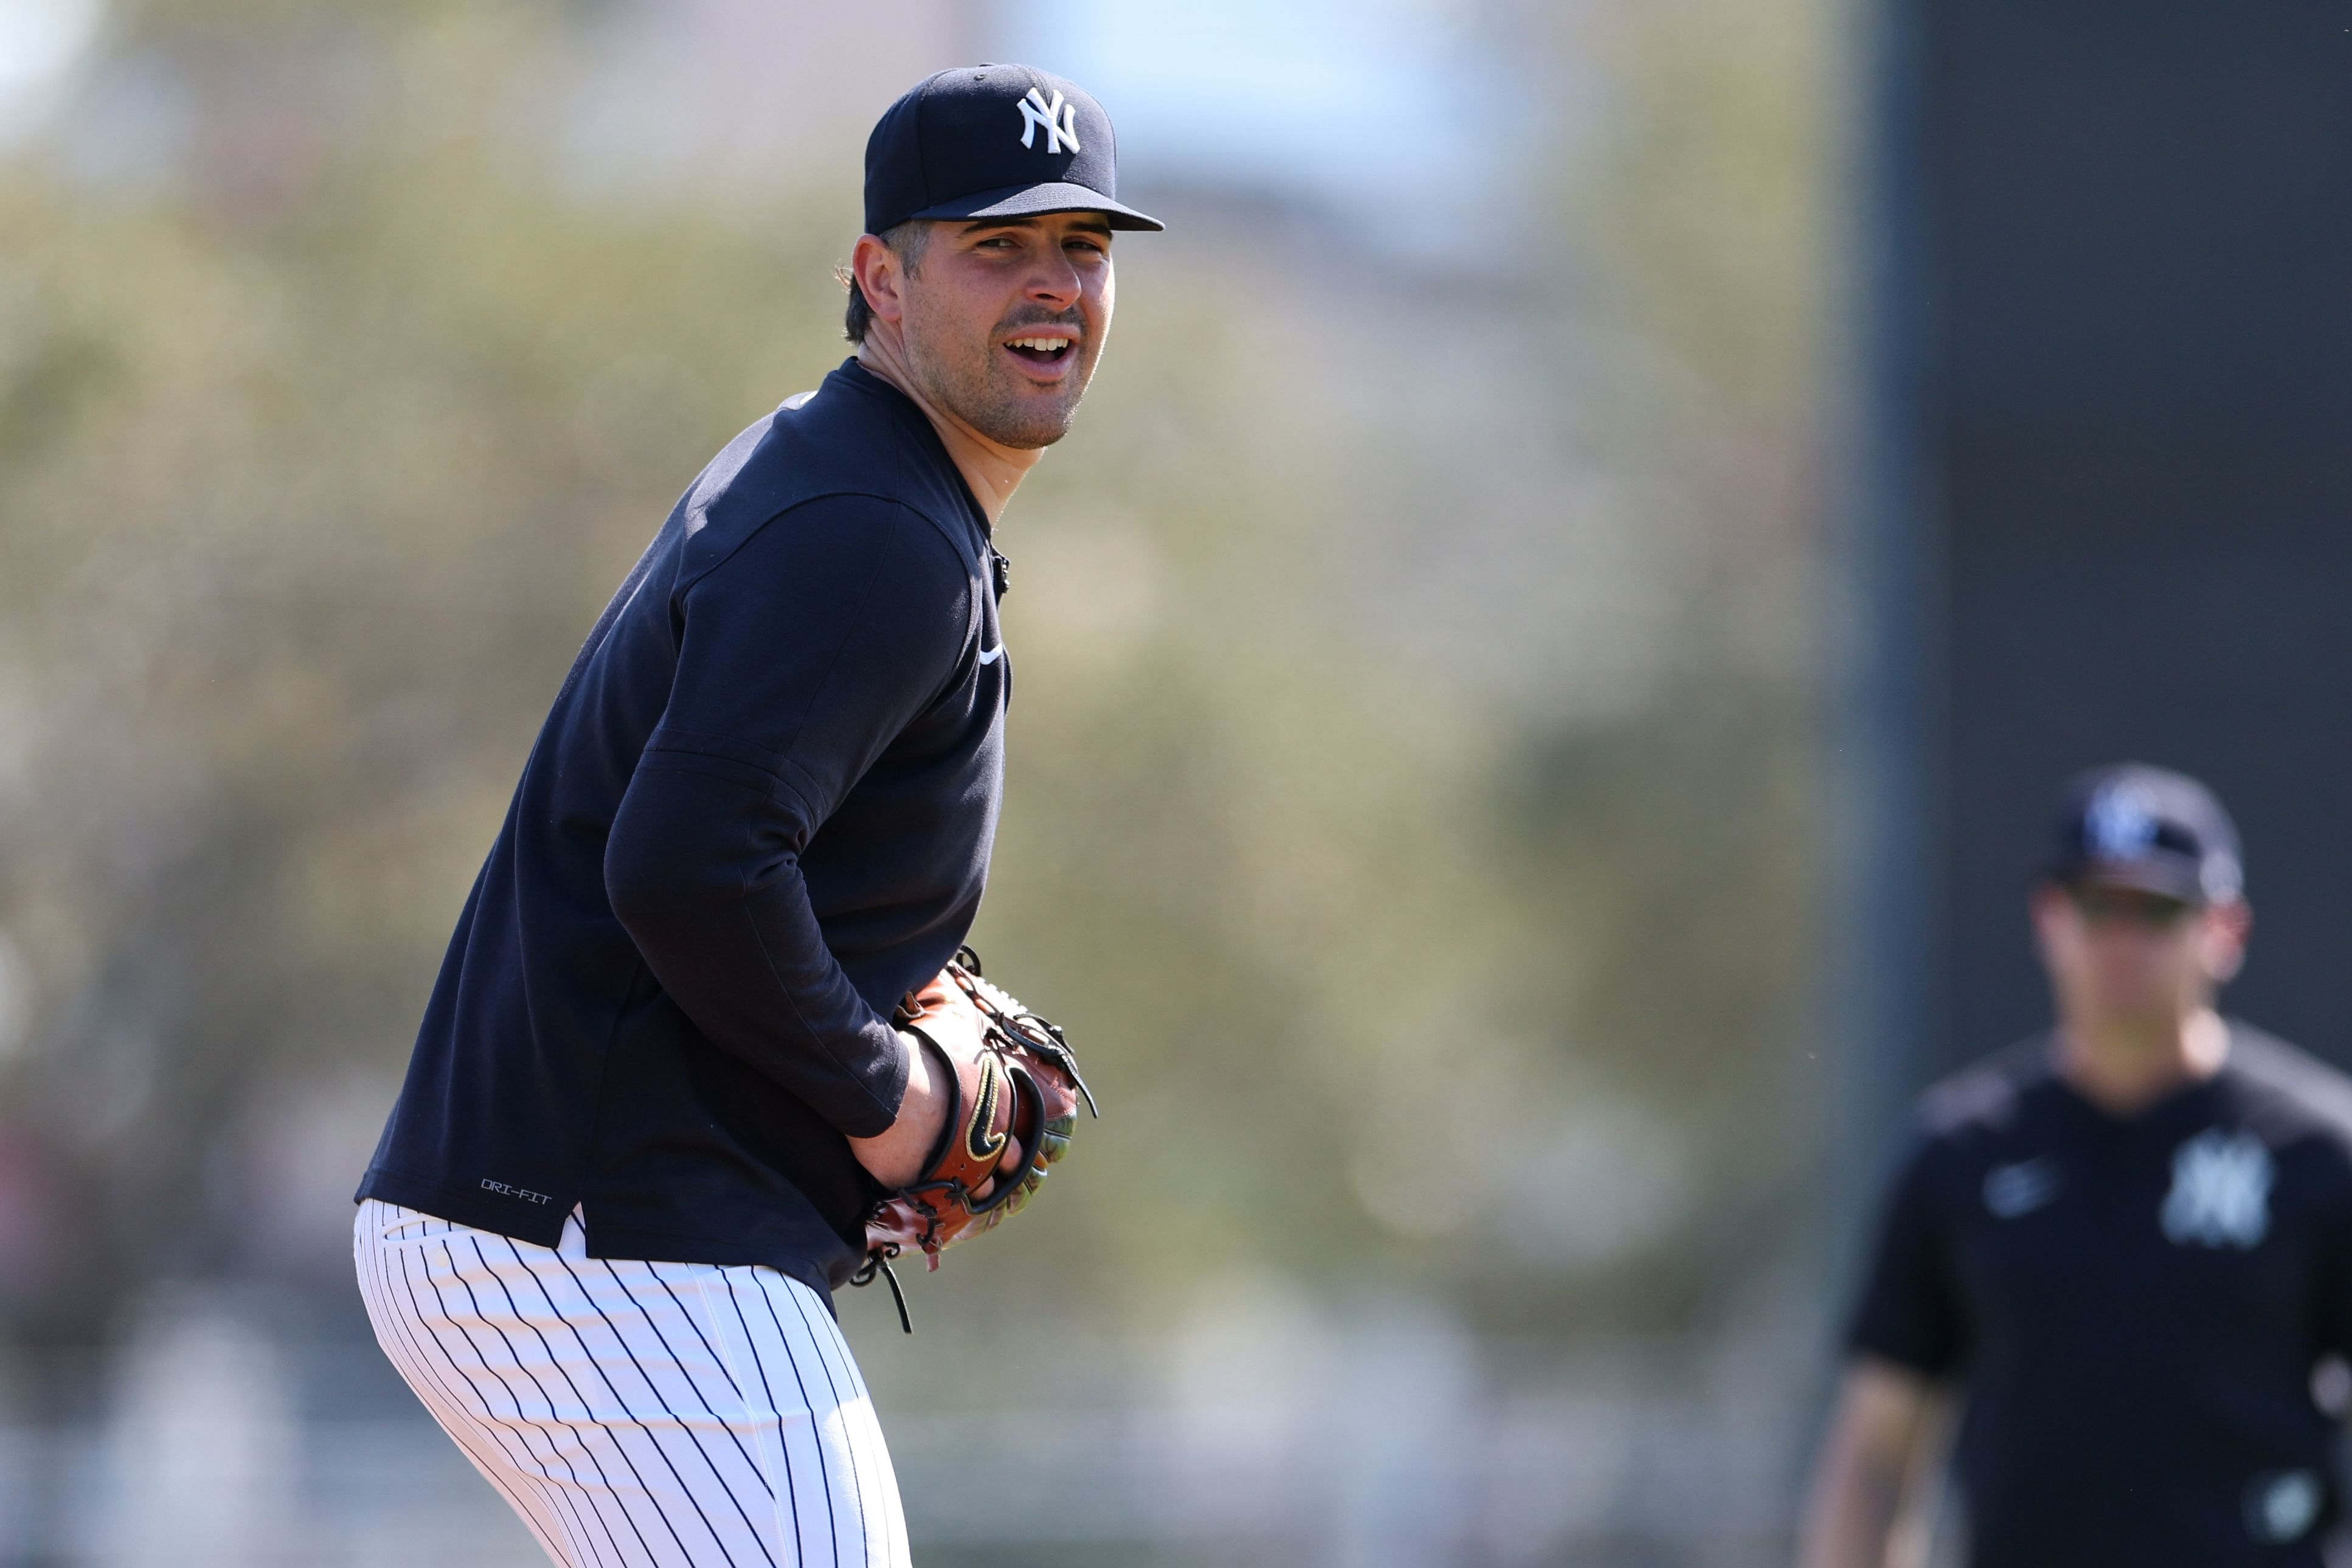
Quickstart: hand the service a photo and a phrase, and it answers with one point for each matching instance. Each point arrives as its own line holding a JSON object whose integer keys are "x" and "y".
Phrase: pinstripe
{"x": 618, "y": 1446}
{"x": 719, "y": 1360}
{"x": 580, "y": 1430}
{"x": 831, "y": 1525}
{"x": 680, "y": 1362}
{"x": 587, "y": 1411}
{"x": 848, "y": 1428}
{"x": 463, "y": 1336}
{"x": 527, "y": 1464}
{"x": 881, "y": 1483}
{"x": 686, "y": 1375}
{"x": 556, "y": 1361}
{"x": 852, "y": 1432}
{"x": 828, "y": 1465}
{"x": 589, "y": 1421}
{"x": 604, "y": 1487}
{"x": 881, "y": 1478}
{"x": 651, "y": 1434}
{"x": 515, "y": 1483}
{"x": 642, "y": 1424}
{"x": 555, "y": 1463}
{"x": 553, "y": 1471}
{"x": 529, "y": 1468}
{"x": 533, "y": 1470}
{"x": 790, "y": 1513}
{"x": 392, "y": 1334}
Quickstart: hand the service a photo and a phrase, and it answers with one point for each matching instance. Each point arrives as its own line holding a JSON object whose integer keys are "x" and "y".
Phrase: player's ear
{"x": 877, "y": 271}
{"x": 2046, "y": 905}
{"x": 2227, "y": 925}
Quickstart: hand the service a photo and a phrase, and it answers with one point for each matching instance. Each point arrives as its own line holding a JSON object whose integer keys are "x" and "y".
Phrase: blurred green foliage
{"x": 320, "y": 448}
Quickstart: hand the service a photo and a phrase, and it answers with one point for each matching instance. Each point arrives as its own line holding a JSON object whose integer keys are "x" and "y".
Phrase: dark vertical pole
{"x": 1884, "y": 816}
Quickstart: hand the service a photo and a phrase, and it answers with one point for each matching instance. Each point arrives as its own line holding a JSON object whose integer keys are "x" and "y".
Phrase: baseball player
{"x": 663, "y": 1081}
{"x": 2126, "y": 1246}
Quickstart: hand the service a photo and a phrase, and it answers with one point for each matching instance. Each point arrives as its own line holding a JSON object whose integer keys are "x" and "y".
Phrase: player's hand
{"x": 1010, "y": 1087}
{"x": 897, "y": 1156}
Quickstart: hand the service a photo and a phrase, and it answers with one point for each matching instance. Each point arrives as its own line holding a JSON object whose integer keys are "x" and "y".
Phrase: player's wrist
{"x": 894, "y": 1156}
{"x": 918, "y": 1104}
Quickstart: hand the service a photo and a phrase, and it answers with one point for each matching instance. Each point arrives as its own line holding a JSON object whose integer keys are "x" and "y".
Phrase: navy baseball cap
{"x": 2149, "y": 828}
{"x": 994, "y": 141}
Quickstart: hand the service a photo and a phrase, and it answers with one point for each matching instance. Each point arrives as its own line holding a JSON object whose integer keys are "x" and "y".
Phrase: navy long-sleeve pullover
{"x": 758, "y": 812}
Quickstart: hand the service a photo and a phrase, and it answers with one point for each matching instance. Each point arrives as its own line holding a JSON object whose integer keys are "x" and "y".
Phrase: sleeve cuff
{"x": 885, "y": 1088}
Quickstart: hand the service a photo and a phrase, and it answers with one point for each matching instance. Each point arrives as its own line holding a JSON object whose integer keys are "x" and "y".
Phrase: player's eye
{"x": 2104, "y": 906}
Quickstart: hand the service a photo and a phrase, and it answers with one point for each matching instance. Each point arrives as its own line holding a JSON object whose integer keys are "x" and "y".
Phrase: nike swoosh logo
{"x": 990, "y": 655}
{"x": 2012, "y": 1190}
{"x": 980, "y": 1139}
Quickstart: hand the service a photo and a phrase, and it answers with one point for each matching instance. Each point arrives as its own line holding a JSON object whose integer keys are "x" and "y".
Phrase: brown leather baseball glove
{"x": 1023, "y": 1085}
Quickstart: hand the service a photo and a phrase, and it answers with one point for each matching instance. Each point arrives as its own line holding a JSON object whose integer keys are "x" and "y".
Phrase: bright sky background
{"x": 1405, "y": 116}
{"x": 41, "y": 41}
{"x": 1386, "y": 109}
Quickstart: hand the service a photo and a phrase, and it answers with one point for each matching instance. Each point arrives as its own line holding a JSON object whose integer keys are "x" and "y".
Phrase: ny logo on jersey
{"x": 2221, "y": 1191}
{"x": 1058, "y": 119}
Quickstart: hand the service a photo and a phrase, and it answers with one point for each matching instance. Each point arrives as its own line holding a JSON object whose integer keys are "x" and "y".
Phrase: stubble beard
{"x": 974, "y": 386}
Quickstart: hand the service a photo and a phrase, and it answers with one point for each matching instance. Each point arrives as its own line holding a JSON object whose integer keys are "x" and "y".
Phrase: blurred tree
{"x": 327, "y": 417}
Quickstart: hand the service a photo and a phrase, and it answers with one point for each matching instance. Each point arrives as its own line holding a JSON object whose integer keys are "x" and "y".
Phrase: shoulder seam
{"x": 899, "y": 503}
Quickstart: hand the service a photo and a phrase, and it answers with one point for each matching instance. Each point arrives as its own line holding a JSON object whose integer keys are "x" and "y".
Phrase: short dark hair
{"x": 905, "y": 241}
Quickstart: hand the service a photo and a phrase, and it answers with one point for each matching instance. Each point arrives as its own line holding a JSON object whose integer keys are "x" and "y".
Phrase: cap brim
{"x": 1034, "y": 201}
{"x": 2166, "y": 878}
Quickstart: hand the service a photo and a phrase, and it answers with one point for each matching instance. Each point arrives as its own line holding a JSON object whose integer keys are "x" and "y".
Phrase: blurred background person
{"x": 2123, "y": 1247}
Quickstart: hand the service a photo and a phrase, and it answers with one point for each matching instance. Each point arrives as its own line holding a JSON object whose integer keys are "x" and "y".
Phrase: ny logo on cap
{"x": 2119, "y": 825}
{"x": 1057, "y": 119}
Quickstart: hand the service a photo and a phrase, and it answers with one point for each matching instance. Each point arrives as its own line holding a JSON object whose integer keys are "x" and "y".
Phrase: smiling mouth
{"x": 1043, "y": 351}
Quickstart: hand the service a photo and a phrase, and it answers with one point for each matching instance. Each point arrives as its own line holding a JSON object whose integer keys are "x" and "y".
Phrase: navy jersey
{"x": 2134, "y": 1305}
{"x": 760, "y": 812}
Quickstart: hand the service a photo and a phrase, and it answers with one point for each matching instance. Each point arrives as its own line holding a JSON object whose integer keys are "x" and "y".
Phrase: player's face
{"x": 2119, "y": 956}
{"x": 1004, "y": 320}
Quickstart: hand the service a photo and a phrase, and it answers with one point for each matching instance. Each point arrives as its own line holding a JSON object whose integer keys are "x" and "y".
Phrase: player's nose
{"x": 1055, "y": 281}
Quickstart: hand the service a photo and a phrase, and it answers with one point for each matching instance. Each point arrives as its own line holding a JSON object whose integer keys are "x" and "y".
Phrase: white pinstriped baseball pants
{"x": 637, "y": 1415}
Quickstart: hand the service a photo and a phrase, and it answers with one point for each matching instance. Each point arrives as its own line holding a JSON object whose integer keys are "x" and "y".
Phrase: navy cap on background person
{"x": 2147, "y": 828}
{"x": 993, "y": 141}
